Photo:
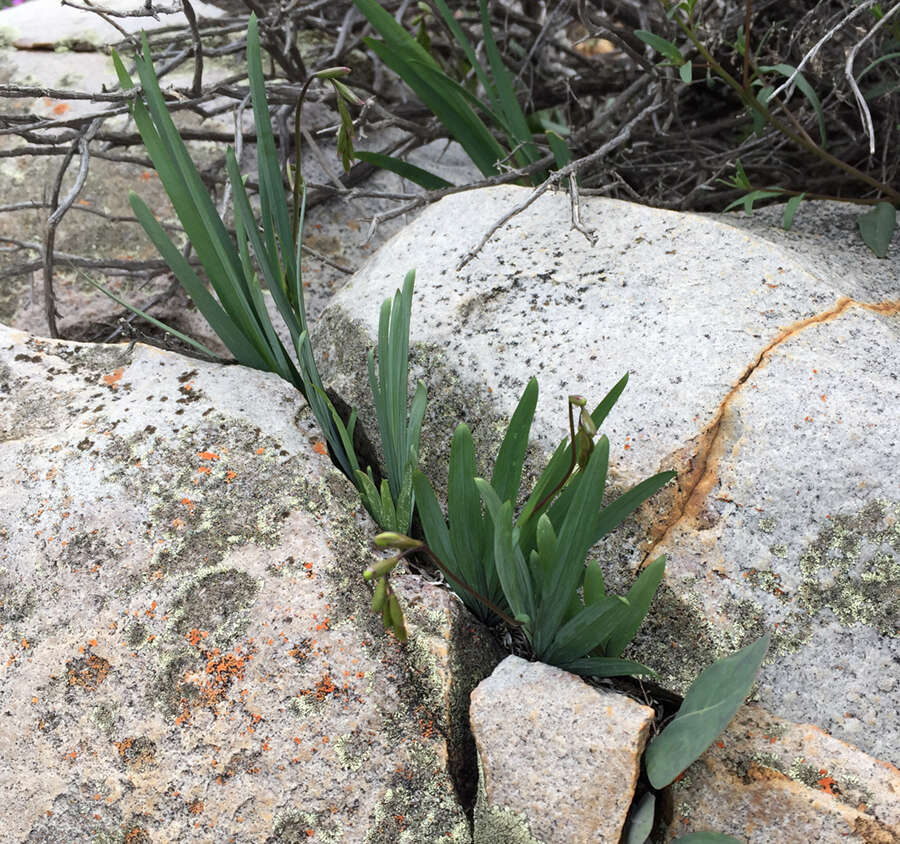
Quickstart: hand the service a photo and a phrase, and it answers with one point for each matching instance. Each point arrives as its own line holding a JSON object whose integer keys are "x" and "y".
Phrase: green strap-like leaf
{"x": 433, "y": 525}
{"x": 520, "y": 134}
{"x": 574, "y": 540}
{"x": 507, "y": 474}
{"x": 790, "y": 211}
{"x": 662, "y": 46}
{"x": 639, "y": 597}
{"x": 215, "y": 315}
{"x": 404, "y": 169}
{"x": 586, "y": 631}
{"x": 197, "y": 345}
{"x": 467, "y": 531}
{"x": 807, "y": 90}
{"x": 275, "y": 215}
{"x": 511, "y": 567}
{"x": 640, "y": 820}
{"x": 596, "y": 666}
{"x": 594, "y": 587}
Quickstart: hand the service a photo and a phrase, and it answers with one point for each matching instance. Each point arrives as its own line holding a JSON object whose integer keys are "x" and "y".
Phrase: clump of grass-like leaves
{"x": 268, "y": 253}
{"x": 530, "y": 570}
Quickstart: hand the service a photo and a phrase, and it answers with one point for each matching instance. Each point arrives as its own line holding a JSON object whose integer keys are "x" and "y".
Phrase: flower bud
{"x": 389, "y": 539}
{"x": 331, "y": 72}
{"x": 380, "y": 595}
{"x": 381, "y": 568}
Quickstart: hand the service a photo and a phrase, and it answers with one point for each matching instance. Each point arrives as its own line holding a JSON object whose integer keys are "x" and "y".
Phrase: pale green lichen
{"x": 766, "y": 524}
{"x": 352, "y": 750}
{"x": 499, "y": 824}
{"x": 801, "y": 771}
{"x": 216, "y": 601}
{"x": 853, "y": 565}
{"x": 767, "y": 760}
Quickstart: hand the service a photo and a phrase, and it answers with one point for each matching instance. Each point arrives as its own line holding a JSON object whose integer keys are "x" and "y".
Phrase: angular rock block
{"x": 189, "y": 653}
{"x": 558, "y": 759}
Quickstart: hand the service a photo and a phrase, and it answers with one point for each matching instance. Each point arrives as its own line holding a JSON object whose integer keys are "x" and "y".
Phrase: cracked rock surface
{"x": 766, "y": 779}
{"x": 768, "y": 382}
{"x": 188, "y": 650}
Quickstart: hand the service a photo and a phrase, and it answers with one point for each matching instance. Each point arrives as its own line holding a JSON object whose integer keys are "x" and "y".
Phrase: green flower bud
{"x": 380, "y": 595}
{"x": 381, "y": 568}
{"x": 389, "y": 539}
{"x": 331, "y": 72}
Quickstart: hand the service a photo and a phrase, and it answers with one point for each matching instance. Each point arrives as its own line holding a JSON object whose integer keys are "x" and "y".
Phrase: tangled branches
{"x": 638, "y": 127}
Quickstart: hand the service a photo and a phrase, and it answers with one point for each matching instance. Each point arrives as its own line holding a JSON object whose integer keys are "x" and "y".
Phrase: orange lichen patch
{"x": 207, "y": 455}
{"x": 326, "y": 686}
{"x": 61, "y": 108}
{"x": 88, "y": 672}
{"x": 319, "y": 447}
{"x": 146, "y": 176}
{"x": 114, "y": 377}
{"x": 260, "y": 451}
{"x": 220, "y": 671}
{"x": 189, "y": 504}
{"x": 230, "y": 476}
{"x": 827, "y": 783}
{"x": 196, "y": 808}
{"x": 194, "y": 636}
{"x": 204, "y": 470}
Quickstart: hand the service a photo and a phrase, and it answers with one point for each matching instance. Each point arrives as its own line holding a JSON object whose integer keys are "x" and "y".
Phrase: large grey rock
{"x": 766, "y": 779}
{"x": 767, "y": 383}
{"x": 48, "y": 25}
{"x": 189, "y": 652}
{"x": 558, "y": 759}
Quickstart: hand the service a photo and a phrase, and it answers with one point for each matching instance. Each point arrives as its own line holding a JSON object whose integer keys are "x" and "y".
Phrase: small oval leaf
{"x": 666, "y": 48}
{"x": 877, "y": 227}
{"x": 711, "y": 702}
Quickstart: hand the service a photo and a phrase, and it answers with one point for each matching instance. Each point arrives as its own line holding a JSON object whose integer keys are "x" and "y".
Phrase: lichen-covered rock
{"x": 765, "y": 378}
{"x": 189, "y": 653}
{"x": 558, "y": 759}
{"x": 767, "y": 779}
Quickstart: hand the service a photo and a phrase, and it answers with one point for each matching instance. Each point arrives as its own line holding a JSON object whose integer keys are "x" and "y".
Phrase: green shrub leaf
{"x": 790, "y": 211}
{"x": 877, "y": 227}
{"x": 665, "y": 48}
{"x": 711, "y": 702}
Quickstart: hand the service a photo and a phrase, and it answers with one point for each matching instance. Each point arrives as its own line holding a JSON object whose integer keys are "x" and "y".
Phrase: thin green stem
{"x": 447, "y": 573}
{"x": 568, "y": 474}
{"x": 298, "y": 176}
